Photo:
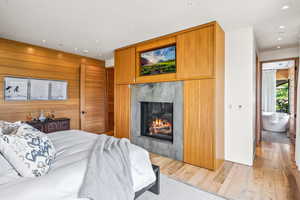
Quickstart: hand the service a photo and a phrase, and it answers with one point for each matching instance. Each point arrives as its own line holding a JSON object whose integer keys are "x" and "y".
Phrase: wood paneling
{"x": 110, "y": 97}
{"x": 199, "y": 122}
{"x": 170, "y": 35}
{"x": 125, "y": 66}
{"x": 23, "y": 60}
{"x": 93, "y": 98}
{"x": 258, "y": 114}
{"x": 156, "y": 78}
{"x": 195, "y": 51}
{"x": 282, "y": 74}
{"x": 292, "y": 103}
{"x": 122, "y": 111}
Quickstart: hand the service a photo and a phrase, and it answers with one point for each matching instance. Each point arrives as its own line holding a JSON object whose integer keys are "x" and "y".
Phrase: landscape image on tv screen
{"x": 158, "y": 61}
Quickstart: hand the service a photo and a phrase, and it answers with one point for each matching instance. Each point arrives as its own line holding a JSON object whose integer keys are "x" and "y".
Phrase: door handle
{"x": 83, "y": 112}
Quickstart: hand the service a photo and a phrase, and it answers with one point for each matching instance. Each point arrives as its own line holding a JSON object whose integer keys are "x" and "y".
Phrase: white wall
{"x": 297, "y": 154}
{"x": 240, "y": 95}
{"x": 279, "y": 54}
{"x": 110, "y": 62}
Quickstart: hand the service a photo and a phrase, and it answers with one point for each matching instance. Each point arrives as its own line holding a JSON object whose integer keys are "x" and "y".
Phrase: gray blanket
{"x": 108, "y": 175}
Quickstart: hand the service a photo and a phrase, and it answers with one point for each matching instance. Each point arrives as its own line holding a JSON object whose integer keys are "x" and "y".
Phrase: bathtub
{"x": 274, "y": 121}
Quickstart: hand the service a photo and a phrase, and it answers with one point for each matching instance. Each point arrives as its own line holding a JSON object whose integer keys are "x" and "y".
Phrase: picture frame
{"x": 161, "y": 60}
{"x": 140, "y": 78}
{"x": 58, "y": 90}
{"x": 39, "y": 89}
{"x": 30, "y": 89}
{"x": 15, "y": 89}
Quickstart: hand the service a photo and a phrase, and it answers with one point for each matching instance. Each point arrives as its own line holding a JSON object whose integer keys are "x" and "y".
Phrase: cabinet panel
{"x": 122, "y": 111}
{"x": 125, "y": 66}
{"x": 195, "y": 51}
{"x": 199, "y": 122}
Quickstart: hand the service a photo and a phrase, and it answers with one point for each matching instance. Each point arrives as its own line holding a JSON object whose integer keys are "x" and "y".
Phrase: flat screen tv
{"x": 158, "y": 61}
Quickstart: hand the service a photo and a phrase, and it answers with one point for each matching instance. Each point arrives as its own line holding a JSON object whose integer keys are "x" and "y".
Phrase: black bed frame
{"x": 154, "y": 187}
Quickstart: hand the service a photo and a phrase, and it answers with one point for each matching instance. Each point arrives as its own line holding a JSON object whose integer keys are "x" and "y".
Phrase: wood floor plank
{"x": 273, "y": 176}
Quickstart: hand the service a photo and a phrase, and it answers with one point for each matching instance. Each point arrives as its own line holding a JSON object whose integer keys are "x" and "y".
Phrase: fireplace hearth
{"x": 157, "y": 120}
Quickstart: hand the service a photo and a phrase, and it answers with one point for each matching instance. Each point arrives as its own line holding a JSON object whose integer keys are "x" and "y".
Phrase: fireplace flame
{"x": 160, "y": 126}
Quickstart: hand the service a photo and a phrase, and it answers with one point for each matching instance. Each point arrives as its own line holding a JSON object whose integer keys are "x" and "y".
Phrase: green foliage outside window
{"x": 282, "y": 98}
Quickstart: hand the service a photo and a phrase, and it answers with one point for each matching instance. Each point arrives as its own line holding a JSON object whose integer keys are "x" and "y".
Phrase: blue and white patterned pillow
{"x": 29, "y": 151}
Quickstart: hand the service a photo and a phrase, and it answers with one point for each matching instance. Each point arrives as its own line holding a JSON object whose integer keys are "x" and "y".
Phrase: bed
{"x": 67, "y": 172}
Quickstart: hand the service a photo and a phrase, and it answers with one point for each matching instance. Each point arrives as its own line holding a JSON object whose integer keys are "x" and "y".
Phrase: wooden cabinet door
{"x": 93, "y": 98}
{"x": 122, "y": 111}
{"x": 195, "y": 51}
{"x": 125, "y": 66}
{"x": 199, "y": 123}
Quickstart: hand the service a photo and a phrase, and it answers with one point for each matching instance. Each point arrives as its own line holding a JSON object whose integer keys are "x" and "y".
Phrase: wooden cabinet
{"x": 125, "y": 66}
{"x": 204, "y": 113}
{"x": 203, "y": 124}
{"x": 199, "y": 122}
{"x": 195, "y": 54}
{"x": 122, "y": 111}
{"x": 200, "y": 65}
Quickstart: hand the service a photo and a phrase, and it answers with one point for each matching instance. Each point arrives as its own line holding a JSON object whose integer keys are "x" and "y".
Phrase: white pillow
{"x": 8, "y": 128}
{"x": 29, "y": 151}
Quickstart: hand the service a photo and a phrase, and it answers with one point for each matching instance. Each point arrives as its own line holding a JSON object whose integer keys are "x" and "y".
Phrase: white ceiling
{"x": 101, "y": 26}
{"x": 279, "y": 65}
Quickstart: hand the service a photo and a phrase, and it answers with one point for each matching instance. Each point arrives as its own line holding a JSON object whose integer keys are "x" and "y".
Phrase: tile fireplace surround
{"x": 169, "y": 92}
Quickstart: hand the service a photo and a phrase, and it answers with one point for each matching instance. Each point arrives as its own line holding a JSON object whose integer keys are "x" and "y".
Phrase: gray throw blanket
{"x": 108, "y": 175}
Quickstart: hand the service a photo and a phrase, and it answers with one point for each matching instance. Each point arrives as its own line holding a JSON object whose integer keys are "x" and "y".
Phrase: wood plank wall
{"x": 24, "y": 60}
{"x": 110, "y": 98}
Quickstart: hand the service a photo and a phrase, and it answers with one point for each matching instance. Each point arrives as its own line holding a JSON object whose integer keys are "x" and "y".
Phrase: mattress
{"x": 67, "y": 172}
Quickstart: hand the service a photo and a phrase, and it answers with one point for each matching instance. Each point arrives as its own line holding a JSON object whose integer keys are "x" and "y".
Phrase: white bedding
{"x": 66, "y": 174}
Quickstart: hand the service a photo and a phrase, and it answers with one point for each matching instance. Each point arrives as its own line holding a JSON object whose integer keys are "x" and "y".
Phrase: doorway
{"x": 276, "y": 101}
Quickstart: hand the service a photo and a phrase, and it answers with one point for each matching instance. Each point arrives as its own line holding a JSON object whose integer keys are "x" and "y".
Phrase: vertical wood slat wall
{"x": 110, "y": 98}
{"x": 23, "y": 60}
{"x": 200, "y": 65}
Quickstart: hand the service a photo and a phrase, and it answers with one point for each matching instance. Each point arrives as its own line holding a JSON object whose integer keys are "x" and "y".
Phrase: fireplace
{"x": 157, "y": 120}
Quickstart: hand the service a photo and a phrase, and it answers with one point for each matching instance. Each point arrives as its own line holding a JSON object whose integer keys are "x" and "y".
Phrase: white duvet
{"x": 67, "y": 173}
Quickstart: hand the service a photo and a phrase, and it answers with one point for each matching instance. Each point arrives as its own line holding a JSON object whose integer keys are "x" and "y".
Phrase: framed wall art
{"x": 39, "y": 89}
{"x": 15, "y": 89}
{"x": 58, "y": 90}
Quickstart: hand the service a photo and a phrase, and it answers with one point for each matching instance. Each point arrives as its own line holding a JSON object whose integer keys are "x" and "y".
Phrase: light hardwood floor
{"x": 273, "y": 176}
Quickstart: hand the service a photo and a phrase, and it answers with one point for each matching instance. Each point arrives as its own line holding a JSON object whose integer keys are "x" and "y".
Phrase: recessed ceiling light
{"x": 44, "y": 41}
{"x": 285, "y": 7}
{"x": 279, "y": 39}
{"x": 278, "y": 47}
{"x": 282, "y": 27}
